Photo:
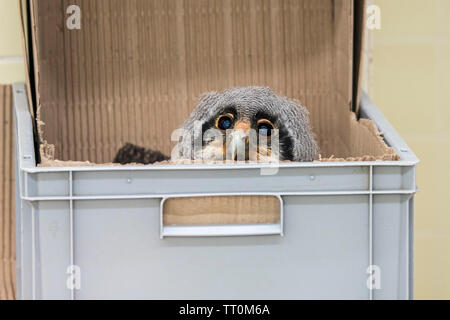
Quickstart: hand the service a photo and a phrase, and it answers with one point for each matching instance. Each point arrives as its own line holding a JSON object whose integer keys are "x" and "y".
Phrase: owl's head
{"x": 250, "y": 123}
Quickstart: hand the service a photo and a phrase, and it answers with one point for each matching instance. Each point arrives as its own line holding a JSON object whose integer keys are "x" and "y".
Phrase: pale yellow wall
{"x": 11, "y": 61}
{"x": 410, "y": 83}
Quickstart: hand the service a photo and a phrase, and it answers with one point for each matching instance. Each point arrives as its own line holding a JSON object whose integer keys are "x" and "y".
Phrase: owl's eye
{"x": 265, "y": 127}
{"x": 225, "y": 121}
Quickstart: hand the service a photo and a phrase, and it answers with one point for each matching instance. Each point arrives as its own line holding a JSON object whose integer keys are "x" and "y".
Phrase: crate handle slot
{"x": 221, "y": 216}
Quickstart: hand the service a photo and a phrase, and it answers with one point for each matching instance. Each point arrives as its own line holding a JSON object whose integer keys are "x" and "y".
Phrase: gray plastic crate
{"x": 102, "y": 226}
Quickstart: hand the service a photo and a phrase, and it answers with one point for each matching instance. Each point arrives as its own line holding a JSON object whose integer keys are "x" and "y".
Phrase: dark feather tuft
{"x": 131, "y": 153}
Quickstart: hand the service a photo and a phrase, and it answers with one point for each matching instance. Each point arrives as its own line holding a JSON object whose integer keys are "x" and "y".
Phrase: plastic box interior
{"x": 338, "y": 219}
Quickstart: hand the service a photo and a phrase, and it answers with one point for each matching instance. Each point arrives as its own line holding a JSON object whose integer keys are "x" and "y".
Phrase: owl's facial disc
{"x": 244, "y": 137}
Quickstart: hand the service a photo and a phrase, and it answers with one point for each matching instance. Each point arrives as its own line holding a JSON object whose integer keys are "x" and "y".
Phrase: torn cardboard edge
{"x": 96, "y": 117}
{"x": 366, "y": 128}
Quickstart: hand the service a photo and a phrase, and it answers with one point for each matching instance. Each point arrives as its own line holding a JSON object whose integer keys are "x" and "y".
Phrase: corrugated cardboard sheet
{"x": 136, "y": 68}
{"x": 358, "y": 48}
{"x": 7, "y": 194}
{"x": 221, "y": 210}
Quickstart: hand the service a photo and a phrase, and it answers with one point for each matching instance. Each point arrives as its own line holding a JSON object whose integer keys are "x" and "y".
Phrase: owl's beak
{"x": 239, "y": 140}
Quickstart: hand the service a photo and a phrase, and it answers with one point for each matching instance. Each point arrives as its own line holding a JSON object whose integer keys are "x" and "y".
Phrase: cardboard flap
{"x": 135, "y": 69}
{"x": 27, "y": 48}
{"x": 358, "y": 50}
{"x": 7, "y": 197}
